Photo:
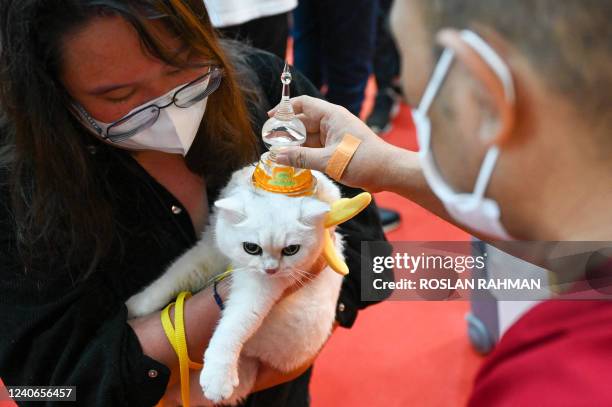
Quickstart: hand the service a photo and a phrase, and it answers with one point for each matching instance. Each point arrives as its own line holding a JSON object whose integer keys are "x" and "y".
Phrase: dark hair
{"x": 60, "y": 207}
{"x": 568, "y": 42}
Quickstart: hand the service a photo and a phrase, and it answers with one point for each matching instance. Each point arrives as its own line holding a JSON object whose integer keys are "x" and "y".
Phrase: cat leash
{"x": 178, "y": 339}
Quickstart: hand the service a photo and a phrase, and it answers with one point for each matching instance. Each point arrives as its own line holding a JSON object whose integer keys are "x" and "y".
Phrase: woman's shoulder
{"x": 261, "y": 61}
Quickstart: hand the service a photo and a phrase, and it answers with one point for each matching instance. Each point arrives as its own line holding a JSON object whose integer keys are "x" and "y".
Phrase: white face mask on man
{"x": 473, "y": 209}
{"x": 173, "y": 131}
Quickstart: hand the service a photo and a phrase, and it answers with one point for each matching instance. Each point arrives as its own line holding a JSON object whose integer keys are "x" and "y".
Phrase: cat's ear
{"x": 231, "y": 209}
{"x": 313, "y": 212}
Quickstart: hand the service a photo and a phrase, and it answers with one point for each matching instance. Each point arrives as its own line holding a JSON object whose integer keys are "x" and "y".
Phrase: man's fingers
{"x": 313, "y": 140}
{"x": 304, "y": 157}
{"x": 297, "y": 103}
{"x": 310, "y": 110}
{"x": 312, "y": 125}
{"x": 301, "y": 103}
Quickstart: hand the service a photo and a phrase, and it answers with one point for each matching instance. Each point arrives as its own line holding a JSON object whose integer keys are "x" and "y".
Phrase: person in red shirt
{"x": 514, "y": 123}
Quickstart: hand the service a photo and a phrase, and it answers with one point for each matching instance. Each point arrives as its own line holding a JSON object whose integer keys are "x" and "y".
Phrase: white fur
{"x": 255, "y": 325}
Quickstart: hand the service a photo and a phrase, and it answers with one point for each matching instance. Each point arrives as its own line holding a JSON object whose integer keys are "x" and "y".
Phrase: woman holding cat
{"x": 120, "y": 122}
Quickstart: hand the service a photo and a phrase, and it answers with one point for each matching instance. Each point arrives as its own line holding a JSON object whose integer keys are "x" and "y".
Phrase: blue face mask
{"x": 472, "y": 210}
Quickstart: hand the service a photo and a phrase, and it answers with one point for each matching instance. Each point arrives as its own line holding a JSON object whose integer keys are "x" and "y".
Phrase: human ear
{"x": 497, "y": 125}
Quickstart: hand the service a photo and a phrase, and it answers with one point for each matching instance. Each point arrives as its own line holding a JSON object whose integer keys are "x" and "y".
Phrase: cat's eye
{"x": 291, "y": 250}
{"x": 252, "y": 249}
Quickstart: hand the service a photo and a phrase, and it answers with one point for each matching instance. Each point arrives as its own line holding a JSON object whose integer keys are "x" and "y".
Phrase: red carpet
{"x": 401, "y": 353}
{"x": 5, "y": 400}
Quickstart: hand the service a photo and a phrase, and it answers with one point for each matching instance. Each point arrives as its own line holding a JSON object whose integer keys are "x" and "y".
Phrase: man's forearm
{"x": 402, "y": 175}
{"x": 405, "y": 177}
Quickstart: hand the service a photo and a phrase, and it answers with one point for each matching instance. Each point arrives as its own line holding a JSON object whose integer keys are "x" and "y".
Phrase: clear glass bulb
{"x": 284, "y": 129}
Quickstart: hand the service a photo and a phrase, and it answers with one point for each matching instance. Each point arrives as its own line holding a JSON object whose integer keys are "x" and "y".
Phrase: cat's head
{"x": 270, "y": 233}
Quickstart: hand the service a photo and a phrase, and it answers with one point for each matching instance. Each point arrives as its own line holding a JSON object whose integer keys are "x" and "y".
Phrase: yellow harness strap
{"x": 176, "y": 337}
{"x": 226, "y": 273}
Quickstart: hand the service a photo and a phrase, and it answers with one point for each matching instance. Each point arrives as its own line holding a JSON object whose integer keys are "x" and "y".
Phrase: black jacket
{"x": 56, "y": 332}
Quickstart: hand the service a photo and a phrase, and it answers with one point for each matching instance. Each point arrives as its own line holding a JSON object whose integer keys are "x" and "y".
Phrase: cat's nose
{"x": 271, "y": 271}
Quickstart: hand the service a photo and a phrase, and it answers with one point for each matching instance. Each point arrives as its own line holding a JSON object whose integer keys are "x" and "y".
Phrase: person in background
{"x": 386, "y": 72}
{"x": 514, "y": 126}
{"x": 263, "y": 24}
{"x": 334, "y": 47}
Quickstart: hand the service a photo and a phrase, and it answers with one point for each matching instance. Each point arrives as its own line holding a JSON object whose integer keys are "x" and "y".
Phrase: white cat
{"x": 270, "y": 240}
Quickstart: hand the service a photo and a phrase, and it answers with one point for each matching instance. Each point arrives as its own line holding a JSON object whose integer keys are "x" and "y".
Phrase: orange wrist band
{"x": 342, "y": 156}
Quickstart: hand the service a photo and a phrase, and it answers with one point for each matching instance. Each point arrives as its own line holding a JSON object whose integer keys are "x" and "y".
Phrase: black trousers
{"x": 334, "y": 45}
{"x": 386, "y": 57}
{"x": 267, "y": 33}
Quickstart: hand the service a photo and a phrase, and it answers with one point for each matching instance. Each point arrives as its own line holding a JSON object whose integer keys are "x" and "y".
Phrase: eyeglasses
{"x": 143, "y": 118}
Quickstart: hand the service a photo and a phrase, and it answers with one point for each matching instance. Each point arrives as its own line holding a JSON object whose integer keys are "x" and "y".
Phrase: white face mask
{"x": 473, "y": 209}
{"x": 173, "y": 132}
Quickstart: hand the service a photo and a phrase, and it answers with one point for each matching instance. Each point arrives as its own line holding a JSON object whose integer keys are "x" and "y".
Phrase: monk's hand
{"x": 326, "y": 125}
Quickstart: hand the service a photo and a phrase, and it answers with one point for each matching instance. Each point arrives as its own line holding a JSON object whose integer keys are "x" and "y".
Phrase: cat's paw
{"x": 141, "y": 304}
{"x": 218, "y": 380}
